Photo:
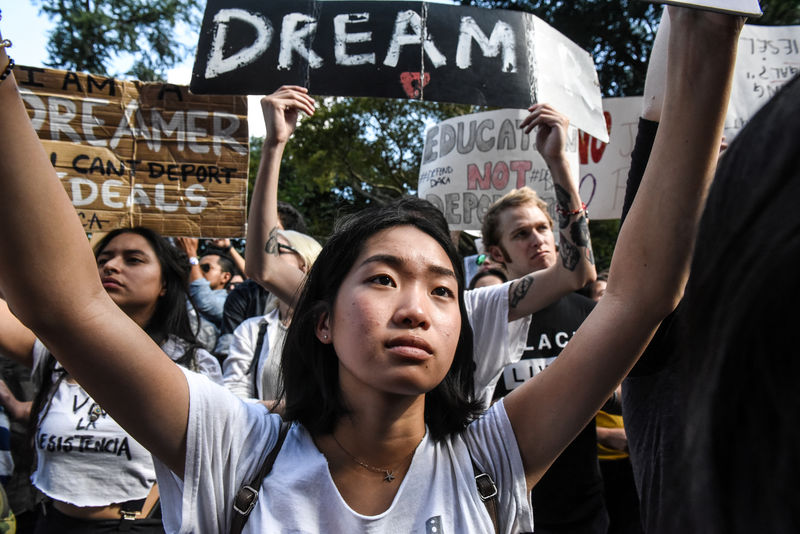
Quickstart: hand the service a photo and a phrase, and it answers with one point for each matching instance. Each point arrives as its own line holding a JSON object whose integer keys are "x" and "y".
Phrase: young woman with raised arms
{"x": 377, "y": 365}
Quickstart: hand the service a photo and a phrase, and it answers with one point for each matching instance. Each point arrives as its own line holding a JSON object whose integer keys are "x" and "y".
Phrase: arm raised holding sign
{"x": 281, "y": 111}
{"x": 651, "y": 261}
{"x": 518, "y": 231}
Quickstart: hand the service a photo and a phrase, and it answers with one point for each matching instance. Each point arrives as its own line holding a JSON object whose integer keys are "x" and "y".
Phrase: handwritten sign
{"x": 768, "y": 57}
{"x": 604, "y": 167}
{"x": 131, "y": 153}
{"x": 469, "y": 162}
{"x": 416, "y": 50}
{"x": 749, "y": 8}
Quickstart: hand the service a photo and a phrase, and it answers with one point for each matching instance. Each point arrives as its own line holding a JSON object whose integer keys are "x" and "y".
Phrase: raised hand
{"x": 281, "y": 110}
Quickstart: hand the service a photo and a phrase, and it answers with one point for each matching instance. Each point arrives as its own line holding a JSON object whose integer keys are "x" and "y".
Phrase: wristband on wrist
{"x": 567, "y": 213}
{"x": 194, "y": 261}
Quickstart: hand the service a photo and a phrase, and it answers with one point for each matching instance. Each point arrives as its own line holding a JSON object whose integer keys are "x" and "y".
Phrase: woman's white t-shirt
{"x": 83, "y": 456}
{"x": 227, "y": 440}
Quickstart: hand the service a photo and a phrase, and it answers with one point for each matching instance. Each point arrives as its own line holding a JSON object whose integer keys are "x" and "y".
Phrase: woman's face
{"x": 131, "y": 275}
{"x": 396, "y": 320}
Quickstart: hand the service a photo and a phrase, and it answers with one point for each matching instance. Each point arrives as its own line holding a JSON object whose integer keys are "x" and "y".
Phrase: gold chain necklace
{"x": 387, "y": 472}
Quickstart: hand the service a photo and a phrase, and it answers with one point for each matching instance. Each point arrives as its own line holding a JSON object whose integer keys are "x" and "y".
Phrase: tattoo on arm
{"x": 579, "y": 232}
{"x": 272, "y": 242}
{"x": 570, "y": 255}
{"x": 562, "y": 200}
{"x": 519, "y": 289}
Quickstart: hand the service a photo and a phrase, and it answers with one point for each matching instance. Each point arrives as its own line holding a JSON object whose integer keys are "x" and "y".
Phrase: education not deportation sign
{"x": 417, "y": 50}
{"x": 151, "y": 154}
{"x": 470, "y": 161}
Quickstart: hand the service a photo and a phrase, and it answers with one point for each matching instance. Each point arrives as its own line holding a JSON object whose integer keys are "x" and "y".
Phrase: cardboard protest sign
{"x": 417, "y": 50}
{"x": 151, "y": 154}
{"x": 768, "y": 57}
{"x": 749, "y": 8}
{"x": 471, "y": 161}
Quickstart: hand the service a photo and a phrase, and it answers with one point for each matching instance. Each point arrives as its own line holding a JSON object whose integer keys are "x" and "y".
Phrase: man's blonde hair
{"x": 518, "y": 197}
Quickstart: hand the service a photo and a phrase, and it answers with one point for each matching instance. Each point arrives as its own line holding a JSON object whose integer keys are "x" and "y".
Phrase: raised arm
{"x": 16, "y": 339}
{"x": 51, "y": 283}
{"x": 651, "y": 260}
{"x": 281, "y": 110}
{"x": 575, "y": 267}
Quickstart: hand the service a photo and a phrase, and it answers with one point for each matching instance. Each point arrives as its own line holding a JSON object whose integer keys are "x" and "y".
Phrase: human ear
{"x": 323, "y": 328}
{"x": 496, "y": 254}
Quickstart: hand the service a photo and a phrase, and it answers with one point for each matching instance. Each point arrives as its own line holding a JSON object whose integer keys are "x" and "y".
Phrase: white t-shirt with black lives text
{"x": 496, "y": 342}
{"x": 227, "y": 440}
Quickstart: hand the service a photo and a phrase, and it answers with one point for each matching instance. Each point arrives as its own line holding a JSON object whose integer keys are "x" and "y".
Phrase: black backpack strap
{"x": 487, "y": 490}
{"x": 246, "y": 497}
{"x": 253, "y": 369}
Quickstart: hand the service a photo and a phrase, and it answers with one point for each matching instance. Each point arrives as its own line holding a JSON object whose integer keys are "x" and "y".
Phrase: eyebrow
{"x": 127, "y": 251}
{"x": 399, "y": 263}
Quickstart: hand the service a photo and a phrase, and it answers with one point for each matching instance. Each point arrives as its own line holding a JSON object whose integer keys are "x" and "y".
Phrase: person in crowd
{"x": 250, "y": 299}
{"x": 208, "y": 279}
{"x": 16, "y": 394}
{"x": 499, "y": 315}
{"x": 229, "y": 251}
{"x": 740, "y": 469}
{"x": 708, "y": 408}
{"x": 385, "y": 431}
{"x": 236, "y": 279}
{"x": 252, "y": 366}
{"x": 95, "y": 473}
{"x": 488, "y": 277}
{"x": 619, "y": 489}
{"x": 8, "y": 522}
{"x": 518, "y": 232}
{"x": 596, "y": 289}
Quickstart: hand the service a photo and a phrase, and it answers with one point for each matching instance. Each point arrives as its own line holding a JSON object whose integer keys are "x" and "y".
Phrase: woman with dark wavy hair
{"x": 93, "y": 471}
{"x": 384, "y": 436}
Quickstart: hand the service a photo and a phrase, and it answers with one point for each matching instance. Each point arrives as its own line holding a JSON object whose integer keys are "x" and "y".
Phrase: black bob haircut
{"x": 310, "y": 369}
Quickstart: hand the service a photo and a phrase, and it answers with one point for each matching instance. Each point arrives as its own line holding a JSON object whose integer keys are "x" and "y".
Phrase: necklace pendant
{"x": 388, "y": 476}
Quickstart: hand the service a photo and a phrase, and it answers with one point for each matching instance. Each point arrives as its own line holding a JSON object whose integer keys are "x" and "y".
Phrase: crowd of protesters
{"x": 359, "y": 386}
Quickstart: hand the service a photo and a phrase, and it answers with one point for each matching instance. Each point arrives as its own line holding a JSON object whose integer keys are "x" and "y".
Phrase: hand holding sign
{"x": 551, "y": 136}
{"x": 281, "y": 111}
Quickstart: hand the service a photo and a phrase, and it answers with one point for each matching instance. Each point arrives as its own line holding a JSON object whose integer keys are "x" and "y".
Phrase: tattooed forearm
{"x": 272, "y": 242}
{"x": 562, "y": 201}
{"x": 579, "y": 231}
{"x": 570, "y": 255}
{"x": 519, "y": 289}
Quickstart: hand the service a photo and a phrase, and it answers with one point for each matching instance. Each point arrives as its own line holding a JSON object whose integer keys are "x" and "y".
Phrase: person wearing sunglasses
{"x": 209, "y": 279}
{"x": 252, "y": 367}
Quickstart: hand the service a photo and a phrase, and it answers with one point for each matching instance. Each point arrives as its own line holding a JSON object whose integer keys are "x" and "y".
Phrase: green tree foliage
{"x": 354, "y": 152}
{"x": 779, "y": 13}
{"x": 92, "y": 35}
